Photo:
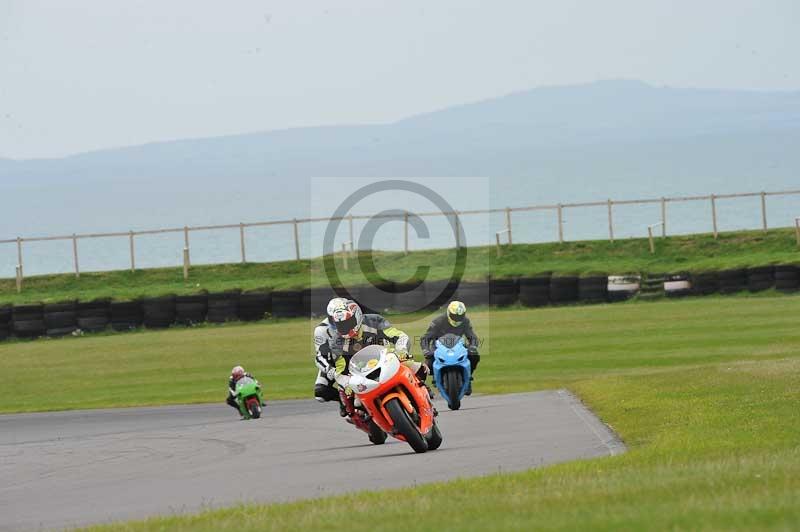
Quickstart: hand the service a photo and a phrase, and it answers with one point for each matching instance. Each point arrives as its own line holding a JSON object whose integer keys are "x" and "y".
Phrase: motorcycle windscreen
{"x": 244, "y": 381}
{"x": 366, "y": 360}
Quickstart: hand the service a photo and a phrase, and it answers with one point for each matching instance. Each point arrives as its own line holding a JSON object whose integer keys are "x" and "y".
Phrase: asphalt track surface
{"x": 76, "y": 468}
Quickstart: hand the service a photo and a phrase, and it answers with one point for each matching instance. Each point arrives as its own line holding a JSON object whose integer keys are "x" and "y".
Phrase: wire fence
{"x": 506, "y": 215}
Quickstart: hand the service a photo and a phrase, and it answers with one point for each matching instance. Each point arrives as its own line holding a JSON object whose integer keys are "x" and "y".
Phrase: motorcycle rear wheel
{"x": 254, "y": 409}
{"x": 404, "y": 425}
{"x": 376, "y": 434}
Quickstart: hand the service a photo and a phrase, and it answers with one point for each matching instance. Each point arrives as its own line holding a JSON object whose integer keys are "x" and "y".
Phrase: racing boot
{"x": 469, "y": 387}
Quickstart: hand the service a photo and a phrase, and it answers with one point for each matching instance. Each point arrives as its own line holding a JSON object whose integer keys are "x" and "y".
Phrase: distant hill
{"x": 601, "y": 129}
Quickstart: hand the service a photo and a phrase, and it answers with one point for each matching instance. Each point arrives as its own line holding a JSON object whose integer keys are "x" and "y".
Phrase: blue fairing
{"x": 456, "y": 357}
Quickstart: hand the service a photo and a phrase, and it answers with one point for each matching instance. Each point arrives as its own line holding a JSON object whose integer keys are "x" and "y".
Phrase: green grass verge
{"x": 673, "y": 254}
{"x": 703, "y": 391}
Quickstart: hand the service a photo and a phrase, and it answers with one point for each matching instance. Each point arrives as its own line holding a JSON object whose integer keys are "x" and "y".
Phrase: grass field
{"x": 673, "y": 254}
{"x": 703, "y": 391}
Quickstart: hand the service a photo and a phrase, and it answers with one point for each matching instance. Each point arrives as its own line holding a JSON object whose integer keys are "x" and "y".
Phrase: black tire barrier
{"x": 623, "y": 287}
{"x": 190, "y": 310}
{"x": 440, "y": 293}
{"x": 126, "y": 315}
{"x": 677, "y": 285}
{"x": 563, "y": 289}
{"x": 472, "y": 293}
{"x": 319, "y": 298}
{"x": 787, "y": 278}
{"x": 223, "y": 307}
{"x": 593, "y": 289}
{"x": 158, "y": 312}
{"x": 503, "y": 292}
{"x": 534, "y": 291}
{"x": 60, "y": 319}
{"x": 375, "y": 299}
{"x": 732, "y": 281}
{"x": 253, "y": 306}
{"x": 93, "y": 316}
{"x": 651, "y": 286}
{"x": 5, "y": 322}
{"x": 705, "y": 283}
{"x": 409, "y": 297}
{"x": 287, "y": 304}
{"x": 760, "y": 278}
{"x": 28, "y": 321}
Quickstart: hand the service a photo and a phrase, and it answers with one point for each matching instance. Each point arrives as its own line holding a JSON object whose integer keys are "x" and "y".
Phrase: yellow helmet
{"x": 456, "y": 312}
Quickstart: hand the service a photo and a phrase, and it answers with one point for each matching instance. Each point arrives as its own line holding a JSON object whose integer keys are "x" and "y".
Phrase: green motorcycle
{"x": 249, "y": 398}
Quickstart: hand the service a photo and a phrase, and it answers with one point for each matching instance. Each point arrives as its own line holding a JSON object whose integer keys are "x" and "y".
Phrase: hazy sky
{"x": 88, "y": 74}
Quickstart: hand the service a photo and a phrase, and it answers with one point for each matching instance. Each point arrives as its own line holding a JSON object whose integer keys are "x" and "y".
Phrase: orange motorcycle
{"x": 394, "y": 398}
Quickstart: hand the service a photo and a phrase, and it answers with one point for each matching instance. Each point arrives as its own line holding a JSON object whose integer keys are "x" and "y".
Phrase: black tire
{"x": 704, "y": 284}
{"x": 5, "y": 332}
{"x": 126, "y": 315}
{"x": 440, "y": 293}
{"x": 593, "y": 289}
{"x": 255, "y": 410}
{"x": 376, "y": 299}
{"x": 376, "y": 434}
{"x": 223, "y": 307}
{"x": 253, "y": 306}
{"x": 93, "y": 324}
{"x": 287, "y": 304}
{"x": 563, "y": 289}
{"x": 503, "y": 292}
{"x": 29, "y": 328}
{"x": 409, "y": 297}
{"x": 191, "y": 309}
{"x": 434, "y": 437}
{"x": 472, "y": 294}
{"x": 406, "y": 427}
{"x": 453, "y": 380}
{"x": 61, "y": 331}
{"x": 159, "y": 312}
{"x": 534, "y": 291}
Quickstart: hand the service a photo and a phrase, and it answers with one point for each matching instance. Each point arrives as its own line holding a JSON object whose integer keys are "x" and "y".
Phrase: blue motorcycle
{"x": 451, "y": 369}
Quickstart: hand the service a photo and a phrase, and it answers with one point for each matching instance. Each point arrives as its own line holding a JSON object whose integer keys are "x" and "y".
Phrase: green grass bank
{"x": 673, "y": 254}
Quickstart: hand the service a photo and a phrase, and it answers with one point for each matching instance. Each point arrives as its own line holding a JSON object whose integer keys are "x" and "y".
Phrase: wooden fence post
{"x": 405, "y": 232}
{"x": 75, "y": 255}
{"x": 458, "y": 229}
{"x": 714, "y": 214}
{"x": 352, "y": 236}
{"x": 186, "y": 243}
{"x": 610, "y": 222}
{"x": 560, "y": 225}
{"x": 185, "y": 264}
{"x": 663, "y": 217}
{"x": 650, "y": 238}
{"x": 497, "y": 240}
{"x": 19, "y": 278}
{"x": 508, "y": 225}
{"x": 797, "y": 230}
{"x": 241, "y": 241}
{"x": 296, "y": 241}
{"x": 344, "y": 256}
{"x": 19, "y": 256}
{"x": 764, "y": 210}
{"x": 133, "y": 252}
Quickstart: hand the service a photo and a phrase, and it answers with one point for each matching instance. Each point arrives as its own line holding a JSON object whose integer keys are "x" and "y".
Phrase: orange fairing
{"x": 405, "y": 387}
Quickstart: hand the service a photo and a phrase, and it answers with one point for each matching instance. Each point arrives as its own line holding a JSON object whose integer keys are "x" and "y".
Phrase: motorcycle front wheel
{"x": 404, "y": 425}
{"x": 453, "y": 381}
{"x": 376, "y": 434}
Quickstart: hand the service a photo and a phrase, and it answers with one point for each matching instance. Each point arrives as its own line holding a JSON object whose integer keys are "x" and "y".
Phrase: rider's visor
{"x": 346, "y": 326}
{"x": 455, "y": 318}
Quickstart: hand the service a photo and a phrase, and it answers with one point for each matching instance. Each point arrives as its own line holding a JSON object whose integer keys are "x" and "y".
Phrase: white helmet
{"x": 346, "y": 316}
